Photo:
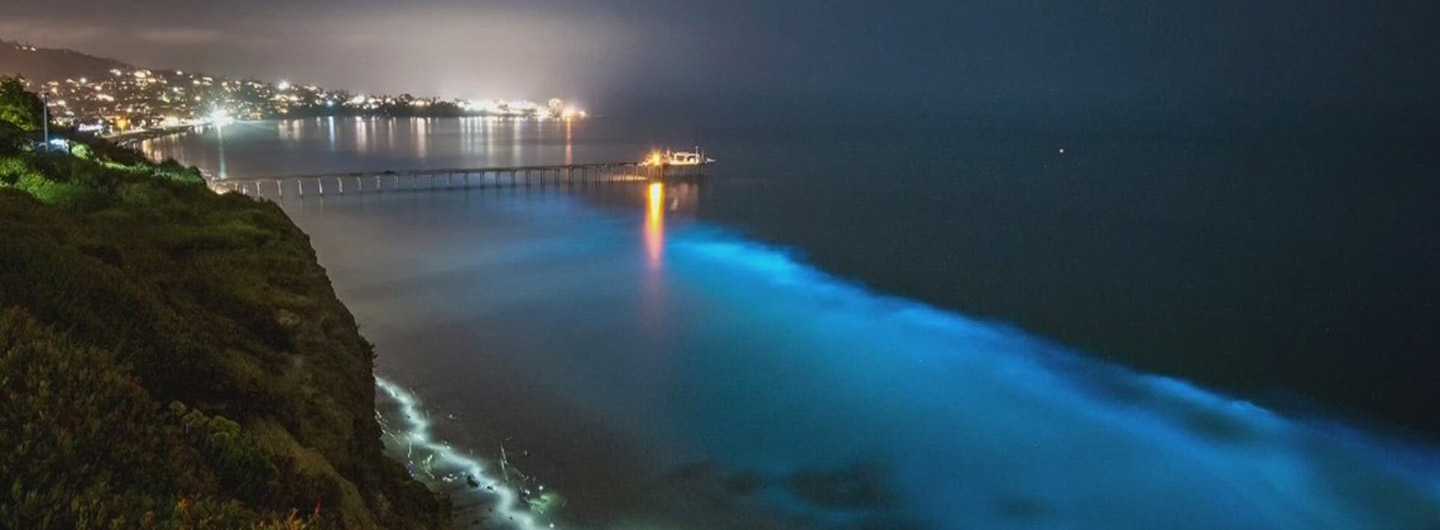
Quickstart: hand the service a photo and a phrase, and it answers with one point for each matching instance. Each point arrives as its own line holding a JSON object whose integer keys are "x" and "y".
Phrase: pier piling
{"x": 542, "y": 175}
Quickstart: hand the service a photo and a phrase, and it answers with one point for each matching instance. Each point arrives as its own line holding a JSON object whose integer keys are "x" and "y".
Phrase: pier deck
{"x": 281, "y": 186}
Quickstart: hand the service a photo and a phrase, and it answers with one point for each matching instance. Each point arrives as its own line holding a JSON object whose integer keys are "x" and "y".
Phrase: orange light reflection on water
{"x": 569, "y": 145}
{"x": 655, "y": 225}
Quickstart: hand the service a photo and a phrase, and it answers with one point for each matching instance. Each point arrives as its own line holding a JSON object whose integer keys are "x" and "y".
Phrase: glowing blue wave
{"x": 441, "y": 456}
{"x": 985, "y": 386}
{"x": 779, "y": 367}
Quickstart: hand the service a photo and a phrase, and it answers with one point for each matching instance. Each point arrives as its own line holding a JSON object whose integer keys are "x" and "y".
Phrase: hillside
{"x": 43, "y": 64}
{"x": 174, "y": 358}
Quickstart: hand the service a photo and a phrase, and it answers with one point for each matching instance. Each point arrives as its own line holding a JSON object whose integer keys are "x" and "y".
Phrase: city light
{"x": 220, "y": 118}
{"x": 136, "y": 98}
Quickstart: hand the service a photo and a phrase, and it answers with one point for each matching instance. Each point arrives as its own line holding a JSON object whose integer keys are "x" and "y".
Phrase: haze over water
{"x": 671, "y": 358}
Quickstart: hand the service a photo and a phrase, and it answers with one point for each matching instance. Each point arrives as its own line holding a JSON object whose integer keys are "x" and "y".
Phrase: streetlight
{"x": 45, "y": 113}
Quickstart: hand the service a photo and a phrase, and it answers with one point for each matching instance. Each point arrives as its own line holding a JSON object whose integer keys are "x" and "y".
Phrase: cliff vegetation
{"x": 174, "y": 358}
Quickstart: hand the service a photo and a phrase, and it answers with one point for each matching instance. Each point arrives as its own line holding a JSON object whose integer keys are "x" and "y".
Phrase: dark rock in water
{"x": 745, "y": 482}
{"x": 886, "y": 523}
{"x": 471, "y": 481}
{"x": 703, "y": 470}
{"x": 1023, "y": 508}
{"x": 856, "y": 487}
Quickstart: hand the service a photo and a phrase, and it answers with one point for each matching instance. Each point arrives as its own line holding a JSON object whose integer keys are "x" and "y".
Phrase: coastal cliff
{"x": 174, "y": 358}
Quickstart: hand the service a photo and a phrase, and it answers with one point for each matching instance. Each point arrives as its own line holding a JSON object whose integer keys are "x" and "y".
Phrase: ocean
{"x": 890, "y": 326}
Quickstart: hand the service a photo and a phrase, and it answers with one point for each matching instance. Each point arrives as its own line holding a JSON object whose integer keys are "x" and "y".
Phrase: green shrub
{"x": 13, "y": 139}
{"x": 84, "y": 444}
{"x": 15, "y": 168}
{"x": 244, "y": 469}
{"x": 18, "y": 106}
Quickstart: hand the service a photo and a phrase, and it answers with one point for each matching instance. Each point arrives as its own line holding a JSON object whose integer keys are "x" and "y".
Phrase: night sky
{"x": 1166, "y": 62}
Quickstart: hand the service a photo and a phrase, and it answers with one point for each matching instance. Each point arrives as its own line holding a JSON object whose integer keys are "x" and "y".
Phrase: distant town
{"x": 132, "y": 99}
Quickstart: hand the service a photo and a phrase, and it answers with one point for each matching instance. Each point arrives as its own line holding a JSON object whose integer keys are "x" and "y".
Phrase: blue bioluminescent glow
{"x": 968, "y": 413}
{"x": 643, "y": 355}
{"x": 439, "y": 456}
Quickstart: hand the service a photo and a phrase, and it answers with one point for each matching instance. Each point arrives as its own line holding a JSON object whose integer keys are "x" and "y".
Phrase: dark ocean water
{"x": 898, "y": 324}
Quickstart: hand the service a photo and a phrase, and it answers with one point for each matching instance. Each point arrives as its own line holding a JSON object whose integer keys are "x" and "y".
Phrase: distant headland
{"x": 106, "y": 96}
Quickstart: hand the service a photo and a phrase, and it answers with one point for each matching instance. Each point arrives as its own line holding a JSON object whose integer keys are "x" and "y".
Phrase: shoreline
{"x": 133, "y": 139}
{"x": 471, "y": 482}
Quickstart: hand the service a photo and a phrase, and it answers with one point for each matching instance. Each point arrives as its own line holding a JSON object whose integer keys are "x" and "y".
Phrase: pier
{"x": 300, "y": 186}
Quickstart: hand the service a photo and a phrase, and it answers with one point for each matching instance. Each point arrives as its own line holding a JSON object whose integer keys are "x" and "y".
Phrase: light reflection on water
{"x": 353, "y": 144}
{"x": 655, "y": 224}
{"x": 738, "y": 387}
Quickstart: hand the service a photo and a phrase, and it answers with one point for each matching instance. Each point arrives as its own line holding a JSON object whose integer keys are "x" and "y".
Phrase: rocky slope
{"x": 174, "y": 358}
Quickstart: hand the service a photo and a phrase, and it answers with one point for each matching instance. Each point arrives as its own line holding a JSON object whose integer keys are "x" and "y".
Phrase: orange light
{"x": 657, "y": 201}
{"x": 655, "y": 224}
